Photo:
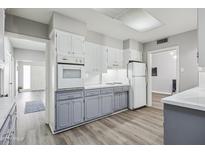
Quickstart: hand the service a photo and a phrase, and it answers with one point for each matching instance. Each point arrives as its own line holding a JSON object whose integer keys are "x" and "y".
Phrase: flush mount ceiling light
{"x": 140, "y": 20}
{"x": 137, "y": 19}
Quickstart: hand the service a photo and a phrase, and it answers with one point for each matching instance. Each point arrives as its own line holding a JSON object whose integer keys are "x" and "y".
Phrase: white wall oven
{"x": 70, "y": 73}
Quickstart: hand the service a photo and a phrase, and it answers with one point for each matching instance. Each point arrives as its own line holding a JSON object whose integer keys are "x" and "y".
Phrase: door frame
{"x": 149, "y": 66}
{"x": 46, "y": 41}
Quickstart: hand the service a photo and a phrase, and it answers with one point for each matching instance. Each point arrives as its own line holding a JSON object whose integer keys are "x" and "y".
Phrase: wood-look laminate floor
{"x": 156, "y": 100}
{"x": 143, "y": 126}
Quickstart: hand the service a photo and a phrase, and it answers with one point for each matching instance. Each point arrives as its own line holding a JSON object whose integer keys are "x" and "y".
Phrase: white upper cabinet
{"x": 201, "y": 36}
{"x": 69, "y": 44}
{"x": 115, "y": 58}
{"x": 1, "y": 35}
{"x": 63, "y": 43}
{"x": 78, "y": 45}
{"x": 95, "y": 58}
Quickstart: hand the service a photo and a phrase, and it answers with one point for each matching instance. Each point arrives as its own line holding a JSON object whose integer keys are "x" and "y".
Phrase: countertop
{"x": 193, "y": 98}
{"x": 96, "y": 86}
{"x": 6, "y": 105}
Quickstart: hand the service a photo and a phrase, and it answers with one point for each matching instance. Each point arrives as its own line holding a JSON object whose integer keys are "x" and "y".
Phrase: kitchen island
{"x": 184, "y": 118}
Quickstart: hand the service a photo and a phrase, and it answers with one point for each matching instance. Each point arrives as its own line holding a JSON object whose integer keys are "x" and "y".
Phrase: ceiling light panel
{"x": 112, "y": 12}
{"x": 139, "y": 20}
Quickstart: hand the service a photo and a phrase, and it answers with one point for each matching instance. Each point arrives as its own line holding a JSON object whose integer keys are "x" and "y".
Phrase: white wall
{"x": 37, "y": 77}
{"x": 166, "y": 71}
{"x": 37, "y": 61}
{"x": 29, "y": 55}
{"x": 187, "y": 43}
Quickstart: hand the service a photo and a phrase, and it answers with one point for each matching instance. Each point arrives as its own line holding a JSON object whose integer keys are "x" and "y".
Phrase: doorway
{"x": 26, "y": 77}
{"x": 163, "y": 75}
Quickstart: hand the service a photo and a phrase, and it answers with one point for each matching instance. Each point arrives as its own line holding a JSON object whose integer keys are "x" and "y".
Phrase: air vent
{"x": 165, "y": 40}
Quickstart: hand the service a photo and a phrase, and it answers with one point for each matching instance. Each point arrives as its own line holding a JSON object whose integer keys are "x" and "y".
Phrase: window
{"x": 71, "y": 73}
{"x": 26, "y": 77}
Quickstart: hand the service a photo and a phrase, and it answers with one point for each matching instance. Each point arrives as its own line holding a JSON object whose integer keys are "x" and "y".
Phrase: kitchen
{"x": 97, "y": 85}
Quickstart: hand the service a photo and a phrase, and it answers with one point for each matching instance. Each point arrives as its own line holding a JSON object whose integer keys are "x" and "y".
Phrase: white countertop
{"x": 104, "y": 86}
{"x": 193, "y": 98}
{"x": 5, "y": 107}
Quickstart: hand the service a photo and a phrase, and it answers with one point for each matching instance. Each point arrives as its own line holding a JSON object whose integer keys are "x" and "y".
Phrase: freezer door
{"x": 138, "y": 92}
{"x": 138, "y": 69}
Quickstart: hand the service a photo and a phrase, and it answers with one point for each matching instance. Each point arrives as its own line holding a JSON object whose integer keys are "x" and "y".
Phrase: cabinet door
{"x": 123, "y": 100}
{"x": 92, "y": 107}
{"x": 63, "y": 43}
{"x": 119, "y": 58}
{"x": 116, "y": 101}
{"x": 106, "y": 104}
{"x": 1, "y": 34}
{"x": 64, "y": 114}
{"x": 90, "y": 58}
{"x": 77, "y": 45}
{"x": 104, "y": 58}
{"x": 111, "y": 57}
{"x": 78, "y": 111}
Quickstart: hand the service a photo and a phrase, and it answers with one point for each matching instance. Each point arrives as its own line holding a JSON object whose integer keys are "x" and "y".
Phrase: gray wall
{"x": 132, "y": 44}
{"x": 103, "y": 40}
{"x": 187, "y": 43}
{"x": 68, "y": 24}
{"x": 24, "y": 26}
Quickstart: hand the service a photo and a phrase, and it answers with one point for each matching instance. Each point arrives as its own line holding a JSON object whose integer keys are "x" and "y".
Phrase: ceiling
{"x": 174, "y": 21}
{"x": 27, "y": 44}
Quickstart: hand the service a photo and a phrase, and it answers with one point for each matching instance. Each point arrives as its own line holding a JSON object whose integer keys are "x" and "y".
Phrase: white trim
{"x": 149, "y": 77}
{"x": 37, "y": 39}
{"x": 161, "y": 92}
{"x": 21, "y": 36}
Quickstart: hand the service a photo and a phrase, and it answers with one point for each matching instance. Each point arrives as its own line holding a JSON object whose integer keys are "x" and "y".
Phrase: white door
{"x": 139, "y": 92}
{"x": 77, "y": 45}
{"x": 138, "y": 69}
{"x": 63, "y": 43}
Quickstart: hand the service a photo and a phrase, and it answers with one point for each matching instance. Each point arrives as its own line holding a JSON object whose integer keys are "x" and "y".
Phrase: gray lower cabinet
{"x": 120, "y": 101}
{"x": 124, "y": 100}
{"x": 69, "y": 113}
{"x": 117, "y": 101}
{"x": 64, "y": 114}
{"x": 92, "y": 107}
{"x": 78, "y": 111}
{"x": 106, "y": 104}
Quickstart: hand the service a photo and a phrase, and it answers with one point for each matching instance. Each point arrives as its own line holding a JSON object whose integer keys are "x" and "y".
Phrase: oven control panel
{"x": 70, "y": 60}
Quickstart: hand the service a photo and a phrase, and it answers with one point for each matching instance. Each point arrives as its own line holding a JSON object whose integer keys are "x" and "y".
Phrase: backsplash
{"x": 115, "y": 76}
{"x": 111, "y": 76}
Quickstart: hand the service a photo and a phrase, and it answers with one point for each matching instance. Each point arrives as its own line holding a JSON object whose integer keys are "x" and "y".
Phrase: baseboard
{"x": 161, "y": 92}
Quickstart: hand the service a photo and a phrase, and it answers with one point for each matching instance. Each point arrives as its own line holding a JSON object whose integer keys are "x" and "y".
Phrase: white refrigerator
{"x": 138, "y": 85}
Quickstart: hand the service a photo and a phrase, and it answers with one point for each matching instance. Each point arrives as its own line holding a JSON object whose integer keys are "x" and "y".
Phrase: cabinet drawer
{"x": 92, "y": 92}
{"x": 118, "y": 89}
{"x": 106, "y": 90}
{"x": 69, "y": 95}
{"x": 126, "y": 88}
